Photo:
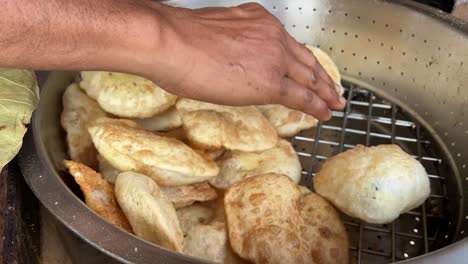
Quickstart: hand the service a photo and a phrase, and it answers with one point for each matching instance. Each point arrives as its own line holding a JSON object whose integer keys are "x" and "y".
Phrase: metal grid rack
{"x": 371, "y": 120}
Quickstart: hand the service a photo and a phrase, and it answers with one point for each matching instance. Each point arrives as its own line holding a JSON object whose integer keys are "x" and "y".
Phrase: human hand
{"x": 238, "y": 56}
{"x": 461, "y": 11}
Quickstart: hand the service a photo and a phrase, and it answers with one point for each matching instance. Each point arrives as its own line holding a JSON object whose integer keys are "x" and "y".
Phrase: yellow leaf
{"x": 19, "y": 96}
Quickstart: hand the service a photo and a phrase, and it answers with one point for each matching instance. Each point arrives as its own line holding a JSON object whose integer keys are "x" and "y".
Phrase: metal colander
{"x": 404, "y": 74}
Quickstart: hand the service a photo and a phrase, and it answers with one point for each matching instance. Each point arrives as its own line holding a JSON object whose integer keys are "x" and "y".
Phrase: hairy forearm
{"x": 237, "y": 56}
{"x": 75, "y": 35}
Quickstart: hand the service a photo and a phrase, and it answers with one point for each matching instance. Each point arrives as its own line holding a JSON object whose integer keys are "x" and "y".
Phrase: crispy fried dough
{"x": 211, "y": 126}
{"x": 99, "y": 194}
{"x": 238, "y": 165}
{"x": 182, "y": 196}
{"x": 151, "y": 215}
{"x": 126, "y": 95}
{"x": 107, "y": 170}
{"x": 270, "y": 221}
{"x": 194, "y": 214}
{"x": 165, "y": 121}
{"x": 167, "y": 160}
{"x": 375, "y": 184}
{"x": 78, "y": 111}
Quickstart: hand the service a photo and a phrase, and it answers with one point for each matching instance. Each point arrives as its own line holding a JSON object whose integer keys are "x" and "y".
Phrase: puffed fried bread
{"x": 99, "y": 194}
{"x": 180, "y": 196}
{"x": 375, "y": 184}
{"x": 78, "y": 111}
{"x": 107, "y": 170}
{"x": 211, "y": 126}
{"x": 205, "y": 233}
{"x": 287, "y": 122}
{"x": 185, "y": 195}
{"x": 207, "y": 241}
{"x": 167, "y": 160}
{"x": 165, "y": 121}
{"x": 270, "y": 220}
{"x": 126, "y": 95}
{"x": 194, "y": 214}
{"x": 180, "y": 134}
{"x": 151, "y": 215}
{"x": 238, "y": 165}
{"x": 323, "y": 231}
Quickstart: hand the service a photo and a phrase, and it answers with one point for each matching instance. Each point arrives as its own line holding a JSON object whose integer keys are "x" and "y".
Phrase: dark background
{"x": 446, "y": 5}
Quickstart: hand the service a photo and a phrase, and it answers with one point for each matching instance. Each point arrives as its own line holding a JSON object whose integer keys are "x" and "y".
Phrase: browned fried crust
{"x": 99, "y": 194}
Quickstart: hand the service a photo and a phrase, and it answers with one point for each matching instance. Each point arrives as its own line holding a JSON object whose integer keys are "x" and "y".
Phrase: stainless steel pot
{"x": 405, "y": 75}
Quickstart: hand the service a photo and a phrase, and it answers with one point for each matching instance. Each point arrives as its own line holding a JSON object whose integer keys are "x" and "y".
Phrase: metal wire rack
{"x": 371, "y": 120}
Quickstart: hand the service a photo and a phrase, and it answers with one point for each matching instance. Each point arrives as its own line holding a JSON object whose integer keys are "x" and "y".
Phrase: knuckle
{"x": 310, "y": 97}
{"x": 275, "y": 72}
{"x": 254, "y": 5}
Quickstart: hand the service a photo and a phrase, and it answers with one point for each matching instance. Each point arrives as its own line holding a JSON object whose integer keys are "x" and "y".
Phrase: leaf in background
{"x": 19, "y": 96}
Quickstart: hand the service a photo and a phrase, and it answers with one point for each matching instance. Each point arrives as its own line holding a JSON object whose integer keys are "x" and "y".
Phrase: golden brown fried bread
{"x": 375, "y": 184}
{"x": 289, "y": 122}
{"x": 238, "y": 165}
{"x": 179, "y": 133}
{"x": 116, "y": 121}
{"x": 205, "y": 232}
{"x": 286, "y": 121}
{"x": 323, "y": 231}
{"x": 270, "y": 221}
{"x": 180, "y": 196}
{"x": 78, "y": 111}
{"x": 304, "y": 189}
{"x": 194, "y": 214}
{"x": 263, "y": 219}
{"x": 185, "y": 195}
{"x": 212, "y": 126}
{"x": 167, "y": 160}
{"x": 165, "y": 121}
{"x": 151, "y": 215}
{"x": 126, "y": 95}
{"x": 207, "y": 241}
{"x": 107, "y": 170}
{"x": 99, "y": 194}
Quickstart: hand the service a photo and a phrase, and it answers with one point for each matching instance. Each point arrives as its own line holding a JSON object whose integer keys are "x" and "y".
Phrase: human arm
{"x": 236, "y": 56}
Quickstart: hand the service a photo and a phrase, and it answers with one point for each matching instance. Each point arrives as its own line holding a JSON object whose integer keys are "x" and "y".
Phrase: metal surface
{"x": 371, "y": 120}
{"x": 405, "y": 74}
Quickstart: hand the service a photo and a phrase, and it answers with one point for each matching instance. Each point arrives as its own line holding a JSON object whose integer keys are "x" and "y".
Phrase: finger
{"x": 308, "y": 77}
{"x": 329, "y": 95}
{"x": 251, "y": 6}
{"x": 321, "y": 74}
{"x": 305, "y": 56}
{"x": 296, "y": 96}
{"x": 300, "y": 72}
{"x": 301, "y": 52}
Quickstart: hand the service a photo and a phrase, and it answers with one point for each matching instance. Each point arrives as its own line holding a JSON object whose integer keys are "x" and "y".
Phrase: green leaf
{"x": 19, "y": 96}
